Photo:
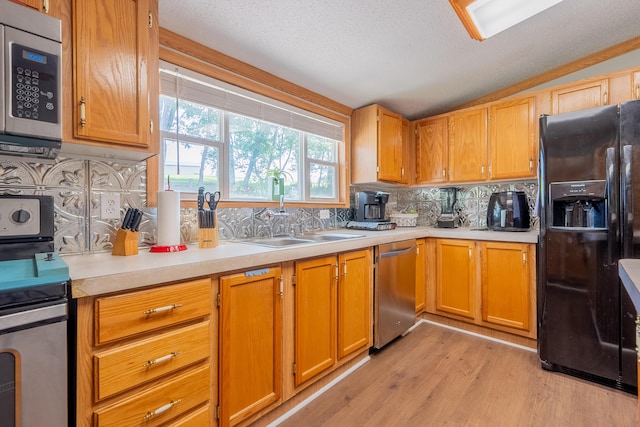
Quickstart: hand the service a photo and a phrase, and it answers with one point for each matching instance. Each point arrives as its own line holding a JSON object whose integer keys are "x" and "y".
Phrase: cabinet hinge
{"x": 294, "y": 369}
{"x": 293, "y": 280}
{"x": 281, "y": 286}
{"x": 150, "y": 20}
{"x": 378, "y": 169}
{"x": 151, "y": 127}
{"x": 45, "y": 6}
{"x": 218, "y": 299}
{"x": 217, "y": 412}
{"x": 378, "y": 118}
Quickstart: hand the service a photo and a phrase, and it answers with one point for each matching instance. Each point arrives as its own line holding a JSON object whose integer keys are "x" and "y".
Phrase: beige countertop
{"x": 629, "y": 271}
{"x": 100, "y": 273}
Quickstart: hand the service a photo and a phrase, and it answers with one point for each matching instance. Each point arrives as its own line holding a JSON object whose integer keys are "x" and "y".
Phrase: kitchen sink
{"x": 283, "y": 242}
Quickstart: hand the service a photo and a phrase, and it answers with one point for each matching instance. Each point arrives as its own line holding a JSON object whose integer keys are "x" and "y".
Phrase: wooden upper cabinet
{"x": 580, "y": 97}
{"x": 431, "y": 150}
{"x": 376, "y": 145}
{"x": 468, "y": 146}
{"x": 408, "y": 148}
{"x": 112, "y": 71}
{"x": 512, "y": 139}
{"x": 506, "y": 299}
{"x": 455, "y": 277}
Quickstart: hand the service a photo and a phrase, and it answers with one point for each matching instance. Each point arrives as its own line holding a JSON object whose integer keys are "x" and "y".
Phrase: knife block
{"x": 208, "y": 237}
{"x": 126, "y": 243}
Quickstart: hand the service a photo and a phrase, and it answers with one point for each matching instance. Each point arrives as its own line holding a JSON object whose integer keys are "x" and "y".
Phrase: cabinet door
{"x": 512, "y": 139}
{"x": 39, "y": 5}
{"x": 110, "y": 71}
{"x": 505, "y": 284}
{"x": 407, "y": 172}
{"x": 468, "y": 146}
{"x": 431, "y": 150}
{"x": 250, "y": 343}
{"x": 389, "y": 146}
{"x": 455, "y": 277}
{"x": 315, "y": 317}
{"x": 421, "y": 275}
{"x": 580, "y": 97}
{"x": 354, "y": 302}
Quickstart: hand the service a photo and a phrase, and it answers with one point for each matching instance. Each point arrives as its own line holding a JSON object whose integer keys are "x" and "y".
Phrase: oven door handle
{"x": 33, "y": 317}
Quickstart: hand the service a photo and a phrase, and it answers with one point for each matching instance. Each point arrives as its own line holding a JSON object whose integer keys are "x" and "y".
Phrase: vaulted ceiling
{"x": 411, "y": 56}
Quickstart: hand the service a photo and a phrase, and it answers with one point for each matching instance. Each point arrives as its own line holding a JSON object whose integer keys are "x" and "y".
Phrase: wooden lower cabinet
{"x": 506, "y": 299}
{"x": 486, "y": 283}
{"x": 154, "y": 368}
{"x": 455, "y": 277}
{"x": 421, "y": 275}
{"x": 332, "y": 311}
{"x": 250, "y": 343}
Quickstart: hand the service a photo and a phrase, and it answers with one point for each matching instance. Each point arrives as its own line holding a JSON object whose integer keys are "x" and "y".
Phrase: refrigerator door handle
{"x": 627, "y": 201}
{"x": 612, "y": 205}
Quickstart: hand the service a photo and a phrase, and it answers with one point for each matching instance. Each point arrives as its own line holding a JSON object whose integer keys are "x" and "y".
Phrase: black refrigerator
{"x": 589, "y": 182}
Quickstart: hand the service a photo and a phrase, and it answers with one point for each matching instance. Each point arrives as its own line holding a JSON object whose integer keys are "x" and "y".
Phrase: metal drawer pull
{"x": 161, "y": 409}
{"x": 162, "y": 309}
{"x": 162, "y": 359}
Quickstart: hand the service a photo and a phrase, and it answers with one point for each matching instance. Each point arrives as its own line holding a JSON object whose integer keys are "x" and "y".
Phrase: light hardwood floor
{"x": 436, "y": 376}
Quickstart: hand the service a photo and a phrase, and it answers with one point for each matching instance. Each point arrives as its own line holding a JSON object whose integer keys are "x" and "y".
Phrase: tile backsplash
{"x": 77, "y": 184}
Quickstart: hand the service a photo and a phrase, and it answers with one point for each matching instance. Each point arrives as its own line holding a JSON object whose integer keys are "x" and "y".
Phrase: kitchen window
{"x": 229, "y": 139}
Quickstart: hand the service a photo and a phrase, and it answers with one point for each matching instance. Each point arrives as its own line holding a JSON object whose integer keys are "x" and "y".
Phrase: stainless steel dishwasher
{"x": 394, "y": 291}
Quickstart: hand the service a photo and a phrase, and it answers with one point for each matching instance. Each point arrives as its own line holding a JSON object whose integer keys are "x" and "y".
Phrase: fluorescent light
{"x": 493, "y": 16}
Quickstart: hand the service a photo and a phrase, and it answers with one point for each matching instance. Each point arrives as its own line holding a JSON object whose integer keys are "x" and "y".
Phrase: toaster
{"x": 508, "y": 211}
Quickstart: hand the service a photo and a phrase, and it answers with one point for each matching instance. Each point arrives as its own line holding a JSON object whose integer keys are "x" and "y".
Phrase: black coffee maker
{"x": 369, "y": 206}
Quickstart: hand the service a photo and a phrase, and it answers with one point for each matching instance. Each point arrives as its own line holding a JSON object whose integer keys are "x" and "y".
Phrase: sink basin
{"x": 283, "y": 242}
{"x": 331, "y": 237}
{"x": 278, "y": 242}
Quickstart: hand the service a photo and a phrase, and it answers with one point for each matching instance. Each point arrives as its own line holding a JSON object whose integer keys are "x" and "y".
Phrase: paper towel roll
{"x": 168, "y": 218}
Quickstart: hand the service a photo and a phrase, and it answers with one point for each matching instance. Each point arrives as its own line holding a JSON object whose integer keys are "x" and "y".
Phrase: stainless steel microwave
{"x": 31, "y": 89}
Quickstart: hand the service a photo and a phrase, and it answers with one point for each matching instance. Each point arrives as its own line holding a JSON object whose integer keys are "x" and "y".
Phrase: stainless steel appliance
{"x": 394, "y": 291}
{"x": 588, "y": 196}
{"x": 508, "y": 211}
{"x": 31, "y": 75}
{"x": 33, "y": 316}
{"x": 448, "y": 217}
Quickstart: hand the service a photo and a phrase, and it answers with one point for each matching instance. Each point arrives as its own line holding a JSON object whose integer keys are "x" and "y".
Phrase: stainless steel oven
{"x": 31, "y": 82}
{"x": 33, "y": 316}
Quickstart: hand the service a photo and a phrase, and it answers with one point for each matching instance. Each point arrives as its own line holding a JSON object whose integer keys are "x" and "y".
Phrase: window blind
{"x": 190, "y": 86}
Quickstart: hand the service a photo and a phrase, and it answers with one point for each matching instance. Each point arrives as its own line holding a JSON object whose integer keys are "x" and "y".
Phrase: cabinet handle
{"x": 83, "y": 113}
{"x": 524, "y": 257}
{"x": 169, "y": 356}
{"x": 161, "y": 409}
{"x": 45, "y": 6}
{"x": 401, "y": 171}
{"x": 638, "y": 91}
{"x": 162, "y": 309}
{"x": 150, "y": 20}
{"x": 337, "y": 273}
{"x": 444, "y": 173}
{"x": 605, "y": 97}
{"x": 470, "y": 253}
{"x": 482, "y": 170}
{"x": 530, "y": 164}
{"x": 344, "y": 269}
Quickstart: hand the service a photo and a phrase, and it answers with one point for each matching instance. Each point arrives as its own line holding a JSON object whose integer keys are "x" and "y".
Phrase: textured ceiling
{"x": 411, "y": 56}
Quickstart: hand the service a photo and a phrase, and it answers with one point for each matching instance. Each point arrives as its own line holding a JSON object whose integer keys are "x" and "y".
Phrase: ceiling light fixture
{"x": 485, "y": 18}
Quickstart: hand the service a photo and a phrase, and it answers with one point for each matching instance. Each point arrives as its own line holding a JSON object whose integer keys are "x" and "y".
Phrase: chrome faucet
{"x": 282, "y": 203}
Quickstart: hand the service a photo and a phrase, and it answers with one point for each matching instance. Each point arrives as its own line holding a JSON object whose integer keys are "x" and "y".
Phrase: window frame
{"x": 341, "y": 151}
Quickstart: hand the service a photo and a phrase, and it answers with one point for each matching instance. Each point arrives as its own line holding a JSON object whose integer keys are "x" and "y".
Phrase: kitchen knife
{"x": 200, "y": 198}
{"x": 137, "y": 219}
{"x": 128, "y": 217}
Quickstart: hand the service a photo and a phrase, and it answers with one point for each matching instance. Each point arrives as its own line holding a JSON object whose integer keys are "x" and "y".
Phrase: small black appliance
{"x": 508, "y": 211}
{"x": 370, "y": 206}
{"x": 448, "y": 218}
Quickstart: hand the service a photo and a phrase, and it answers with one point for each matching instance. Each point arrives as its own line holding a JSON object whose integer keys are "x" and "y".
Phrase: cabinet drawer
{"x": 199, "y": 417}
{"x": 129, "y": 314}
{"x": 125, "y": 367}
{"x": 159, "y": 404}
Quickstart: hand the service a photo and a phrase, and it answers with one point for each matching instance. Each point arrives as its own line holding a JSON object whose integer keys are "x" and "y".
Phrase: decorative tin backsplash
{"x": 77, "y": 185}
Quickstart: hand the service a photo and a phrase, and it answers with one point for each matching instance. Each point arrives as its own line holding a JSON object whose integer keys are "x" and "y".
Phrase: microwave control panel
{"x": 34, "y": 84}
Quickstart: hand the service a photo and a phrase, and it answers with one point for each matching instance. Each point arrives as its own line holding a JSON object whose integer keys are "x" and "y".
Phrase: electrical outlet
{"x": 109, "y": 206}
{"x": 324, "y": 214}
